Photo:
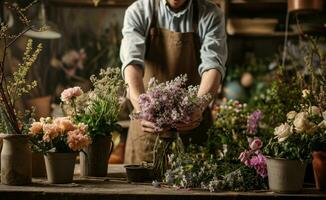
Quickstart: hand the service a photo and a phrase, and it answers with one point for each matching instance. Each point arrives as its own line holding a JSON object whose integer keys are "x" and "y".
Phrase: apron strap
{"x": 195, "y": 19}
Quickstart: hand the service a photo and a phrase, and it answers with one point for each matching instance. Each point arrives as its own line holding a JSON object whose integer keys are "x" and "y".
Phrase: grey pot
{"x": 16, "y": 160}
{"x": 95, "y": 158}
{"x": 285, "y": 176}
{"x": 60, "y": 167}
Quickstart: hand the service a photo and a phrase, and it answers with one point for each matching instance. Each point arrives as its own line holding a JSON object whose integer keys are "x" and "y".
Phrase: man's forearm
{"x": 134, "y": 78}
{"x": 210, "y": 83}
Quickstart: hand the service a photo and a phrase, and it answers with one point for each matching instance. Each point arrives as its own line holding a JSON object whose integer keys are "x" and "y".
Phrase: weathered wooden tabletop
{"x": 116, "y": 187}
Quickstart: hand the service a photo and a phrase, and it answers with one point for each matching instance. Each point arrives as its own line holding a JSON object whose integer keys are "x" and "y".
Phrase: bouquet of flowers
{"x": 234, "y": 124}
{"x": 293, "y": 138}
{"x": 59, "y": 135}
{"x": 166, "y": 105}
{"x": 98, "y": 108}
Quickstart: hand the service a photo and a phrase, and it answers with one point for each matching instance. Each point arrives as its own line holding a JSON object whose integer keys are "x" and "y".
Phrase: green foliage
{"x": 296, "y": 147}
{"x": 99, "y": 108}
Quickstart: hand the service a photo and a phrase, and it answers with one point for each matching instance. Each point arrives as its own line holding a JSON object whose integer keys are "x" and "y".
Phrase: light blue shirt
{"x": 211, "y": 31}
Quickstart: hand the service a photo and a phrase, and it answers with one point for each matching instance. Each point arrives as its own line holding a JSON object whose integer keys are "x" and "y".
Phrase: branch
{"x": 18, "y": 36}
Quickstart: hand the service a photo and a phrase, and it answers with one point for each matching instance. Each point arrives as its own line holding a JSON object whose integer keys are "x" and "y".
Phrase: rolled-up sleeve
{"x": 213, "y": 52}
{"x": 132, "y": 50}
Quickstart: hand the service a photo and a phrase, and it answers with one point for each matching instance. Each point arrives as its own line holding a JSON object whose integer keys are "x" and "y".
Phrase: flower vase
{"x": 38, "y": 165}
{"x": 16, "y": 160}
{"x": 319, "y": 167}
{"x": 60, "y": 167}
{"x": 285, "y": 176}
{"x": 94, "y": 159}
{"x": 165, "y": 145}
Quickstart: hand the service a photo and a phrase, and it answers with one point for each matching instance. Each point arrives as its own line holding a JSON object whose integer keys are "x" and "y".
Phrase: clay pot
{"x": 60, "y": 167}
{"x": 38, "y": 165}
{"x": 319, "y": 166}
{"x": 42, "y": 106}
{"x": 16, "y": 160}
{"x": 94, "y": 159}
{"x": 285, "y": 176}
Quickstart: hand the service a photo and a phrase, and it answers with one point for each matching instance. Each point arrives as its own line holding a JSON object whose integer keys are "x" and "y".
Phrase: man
{"x": 166, "y": 38}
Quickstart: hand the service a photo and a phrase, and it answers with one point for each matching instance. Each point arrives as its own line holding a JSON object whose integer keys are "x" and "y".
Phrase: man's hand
{"x": 195, "y": 120}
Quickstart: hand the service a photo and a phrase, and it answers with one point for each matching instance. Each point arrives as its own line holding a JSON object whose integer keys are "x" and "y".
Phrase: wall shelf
{"x": 89, "y": 3}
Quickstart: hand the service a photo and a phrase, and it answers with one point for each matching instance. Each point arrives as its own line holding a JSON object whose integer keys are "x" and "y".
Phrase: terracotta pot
{"x": 94, "y": 159}
{"x": 285, "y": 176}
{"x": 319, "y": 166}
{"x": 38, "y": 165}
{"x": 16, "y": 160}
{"x": 60, "y": 167}
{"x": 305, "y": 5}
{"x": 42, "y": 106}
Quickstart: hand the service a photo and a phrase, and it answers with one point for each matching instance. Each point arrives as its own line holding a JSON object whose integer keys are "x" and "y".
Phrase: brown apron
{"x": 168, "y": 54}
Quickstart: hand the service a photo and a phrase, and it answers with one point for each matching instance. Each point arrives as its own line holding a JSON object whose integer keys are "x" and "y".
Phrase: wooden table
{"x": 116, "y": 187}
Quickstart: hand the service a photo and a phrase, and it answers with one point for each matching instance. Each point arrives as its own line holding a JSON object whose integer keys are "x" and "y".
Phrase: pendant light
{"x": 43, "y": 28}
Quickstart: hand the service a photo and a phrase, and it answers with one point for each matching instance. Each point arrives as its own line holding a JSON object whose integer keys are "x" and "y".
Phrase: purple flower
{"x": 253, "y": 121}
{"x": 258, "y": 162}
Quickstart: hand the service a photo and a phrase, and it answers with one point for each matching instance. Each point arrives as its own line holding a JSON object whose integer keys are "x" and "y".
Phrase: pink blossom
{"x": 69, "y": 93}
{"x": 51, "y": 131}
{"x": 244, "y": 156}
{"x": 36, "y": 128}
{"x": 64, "y": 123}
{"x": 77, "y": 139}
{"x": 256, "y": 144}
{"x": 259, "y": 164}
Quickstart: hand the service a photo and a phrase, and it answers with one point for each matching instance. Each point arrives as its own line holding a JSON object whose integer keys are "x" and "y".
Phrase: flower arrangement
{"x": 14, "y": 86}
{"x": 293, "y": 138}
{"x": 166, "y": 105}
{"x": 234, "y": 124}
{"x": 99, "y": 107}
{"x": 59, "y": 135}
{"x": 170, "y": 103}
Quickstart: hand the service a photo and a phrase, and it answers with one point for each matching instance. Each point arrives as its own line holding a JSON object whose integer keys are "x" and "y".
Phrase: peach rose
{"x": 36, "y": 128}
{"x": 69, "y": 93}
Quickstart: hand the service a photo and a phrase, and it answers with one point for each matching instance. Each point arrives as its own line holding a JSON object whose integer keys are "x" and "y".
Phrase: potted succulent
{"x": 60, "y": 140}
{"x": 16, "y": 159}
{"x": 98, "y": 109}
{"x": 319, "y": 154}
{"x": 290, "y": 149}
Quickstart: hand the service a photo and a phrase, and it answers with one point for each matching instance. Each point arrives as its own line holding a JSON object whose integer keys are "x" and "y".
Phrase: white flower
{"x": 305, "y": 93}
{"x": 282, "y": 132}
{"x": 301, "y": 122}
{"x": 324, "y": 115}
{"x": 314, "y": 110}
{"x": 291, "y": 115}
{"x": 322, "y": 124}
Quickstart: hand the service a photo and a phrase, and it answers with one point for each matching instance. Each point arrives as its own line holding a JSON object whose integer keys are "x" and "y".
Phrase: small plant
{"x": 59, "y": 135}
{"x": 293, "y": 138}
{"x": 98, "y": 108}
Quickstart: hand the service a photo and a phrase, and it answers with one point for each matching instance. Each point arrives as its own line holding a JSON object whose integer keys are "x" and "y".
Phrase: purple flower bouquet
{"x": 166, "y": 105}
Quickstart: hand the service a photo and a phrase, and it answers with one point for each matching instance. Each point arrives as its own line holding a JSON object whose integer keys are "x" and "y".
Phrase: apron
{"x": 168, "y": 55}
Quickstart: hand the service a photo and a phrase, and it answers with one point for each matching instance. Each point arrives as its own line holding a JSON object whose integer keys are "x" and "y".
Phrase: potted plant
{"x": 290, "y": 149}
{"x": 98, "y": 109}
{"x": 16, "y": 160}
{"x": 319, "y": 154}
{"x": 61, "y": 139}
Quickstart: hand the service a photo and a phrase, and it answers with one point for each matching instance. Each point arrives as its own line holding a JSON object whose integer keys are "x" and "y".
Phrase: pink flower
{"x": 69, "y": 93}
{"x": 259, "y": 164}
{"x": 51, "y": 131}
{"x": 36, "y": 128}
{"x": 244, "y": 156}
{"x": 256, "y": 144}
{"x": 64, "y": 123}
{"x": 77, "y": 139}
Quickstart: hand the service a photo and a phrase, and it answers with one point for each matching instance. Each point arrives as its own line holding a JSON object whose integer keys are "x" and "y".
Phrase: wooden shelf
{"x": 89, "y": 3}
